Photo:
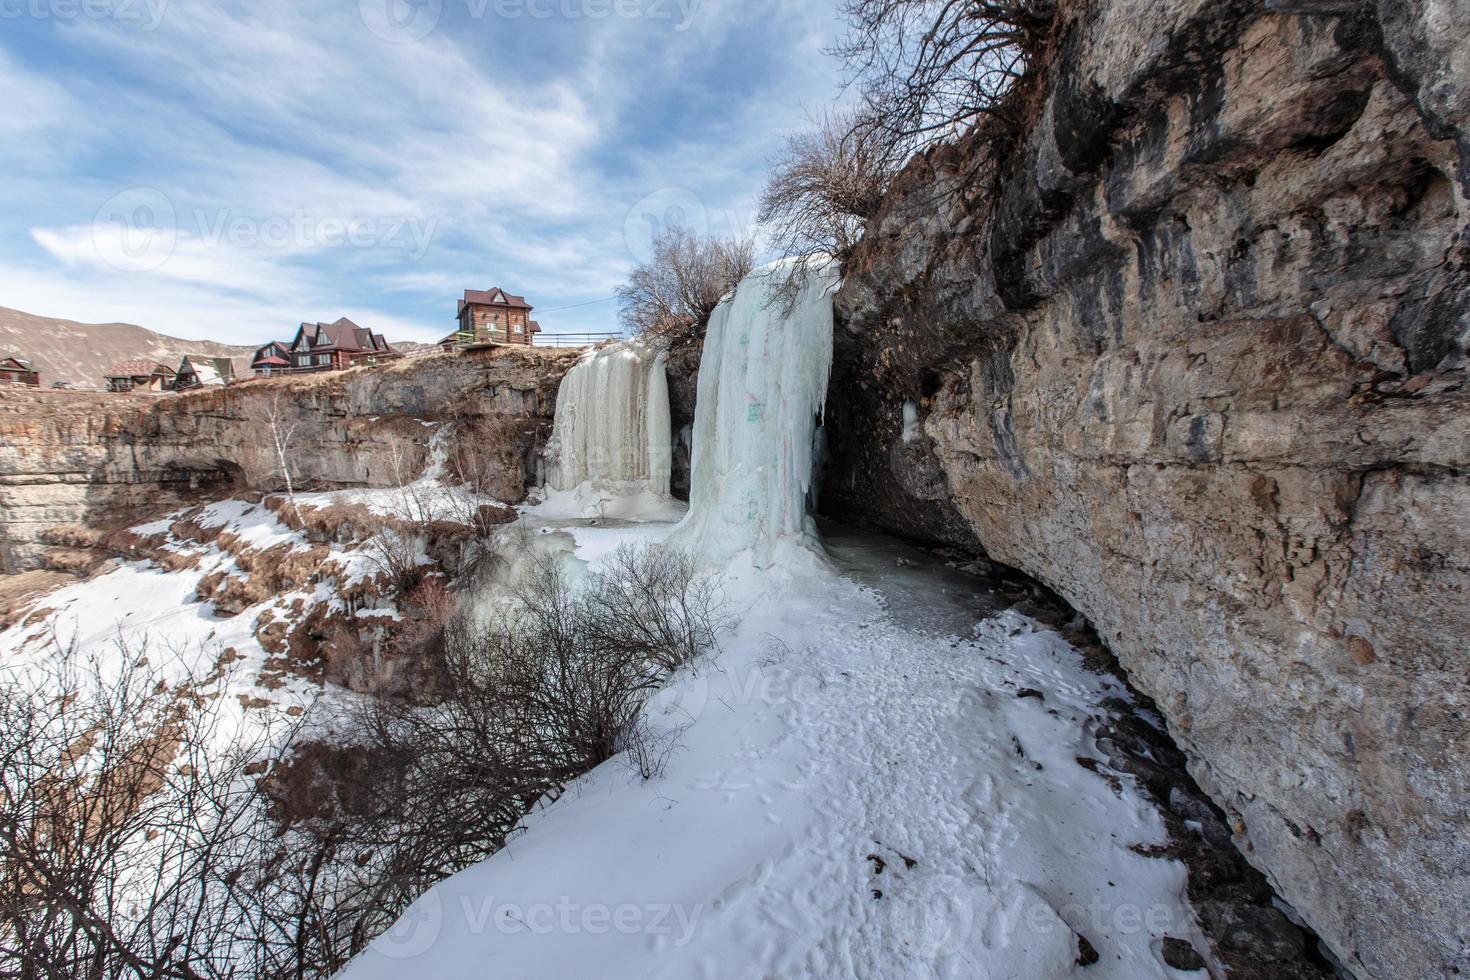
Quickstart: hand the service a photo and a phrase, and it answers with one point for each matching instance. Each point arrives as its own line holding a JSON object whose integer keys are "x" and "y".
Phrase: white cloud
{"x": 277, "y": 114}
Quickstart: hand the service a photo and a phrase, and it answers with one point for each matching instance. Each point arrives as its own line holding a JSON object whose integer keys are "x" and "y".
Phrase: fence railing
{"x": 575, "y": 339}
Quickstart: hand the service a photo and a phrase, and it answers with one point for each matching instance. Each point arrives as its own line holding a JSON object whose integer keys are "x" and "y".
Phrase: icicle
{"x": 762, "y": 386}
{"x": 613, "y": 423}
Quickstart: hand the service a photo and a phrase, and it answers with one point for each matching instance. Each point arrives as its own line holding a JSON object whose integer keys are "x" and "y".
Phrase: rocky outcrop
{"x": 69, "y": 458}
{"x": 1194, "y": 356}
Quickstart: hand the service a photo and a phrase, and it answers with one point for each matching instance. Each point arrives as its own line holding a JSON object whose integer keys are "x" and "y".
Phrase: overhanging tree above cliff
{"x": 671, "y": 296}
{"x": 928, "y": 70}
{"x": 826, "y": 185}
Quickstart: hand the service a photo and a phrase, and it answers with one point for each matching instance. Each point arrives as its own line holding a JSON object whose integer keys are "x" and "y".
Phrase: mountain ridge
{"x": 68, "y": 350}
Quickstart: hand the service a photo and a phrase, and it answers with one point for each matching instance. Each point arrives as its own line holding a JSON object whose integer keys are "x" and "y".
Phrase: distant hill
{"x": 64, "y": 350}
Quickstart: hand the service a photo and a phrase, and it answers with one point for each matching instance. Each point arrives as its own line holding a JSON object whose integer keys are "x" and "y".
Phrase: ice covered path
{"x": 873, "y": 782}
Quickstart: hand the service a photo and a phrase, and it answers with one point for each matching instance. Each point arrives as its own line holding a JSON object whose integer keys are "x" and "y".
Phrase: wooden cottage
{"x": 204, "y": 372}
{"x": 140, "y": 375}
{"x": 493, "y": 316}
{"x": 18, "y": 371}
{"x": 273, "y": 358}
{"x": 333, "y": 346}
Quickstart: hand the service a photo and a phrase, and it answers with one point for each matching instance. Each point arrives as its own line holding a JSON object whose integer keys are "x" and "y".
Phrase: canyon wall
{"x": 1193, "y": 354}
{"x": 73, "y": 458}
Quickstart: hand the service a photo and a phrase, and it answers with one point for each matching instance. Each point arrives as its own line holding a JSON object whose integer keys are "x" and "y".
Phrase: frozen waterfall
{"x": 611, "y": 449}
{"x": 762, "y": 387}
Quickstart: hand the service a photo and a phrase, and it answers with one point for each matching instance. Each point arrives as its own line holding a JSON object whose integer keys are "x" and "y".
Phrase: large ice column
{"x": 612, "y": 422}
{"x": 762, "y": 387}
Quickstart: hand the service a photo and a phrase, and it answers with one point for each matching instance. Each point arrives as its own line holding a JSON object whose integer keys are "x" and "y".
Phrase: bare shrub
{"x": 826, "y": 185}
{"x": 670, "y": 297}
{"x": 534, "y": 696}
{"x": 136, "y": 842}
{"x": 395, "y": 552}
{"x": 929, "y": 70}
{"x": 124, "y": 816}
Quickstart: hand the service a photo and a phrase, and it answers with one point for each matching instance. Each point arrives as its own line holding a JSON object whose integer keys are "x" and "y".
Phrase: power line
{"x": 577, "y": 306}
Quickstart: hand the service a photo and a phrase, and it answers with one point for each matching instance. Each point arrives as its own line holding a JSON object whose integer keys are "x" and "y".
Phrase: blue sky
{"x": 227, "y": 170}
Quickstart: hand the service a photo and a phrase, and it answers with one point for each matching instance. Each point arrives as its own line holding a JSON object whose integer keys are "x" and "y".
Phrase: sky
{"x": 227, "y": 170}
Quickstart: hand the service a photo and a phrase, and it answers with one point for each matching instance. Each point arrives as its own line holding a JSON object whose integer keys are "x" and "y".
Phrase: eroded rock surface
{"x": 1195, "y": 358}
{"x": 73, "y": 458}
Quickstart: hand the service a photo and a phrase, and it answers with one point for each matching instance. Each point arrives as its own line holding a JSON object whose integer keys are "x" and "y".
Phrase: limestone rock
{"x": 1196, "y": 360}
{"x": 103, "y": 460}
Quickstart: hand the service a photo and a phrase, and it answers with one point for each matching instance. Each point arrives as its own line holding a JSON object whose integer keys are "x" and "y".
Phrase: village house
{"x": 273, "y": 358}
{"x": 323, "y": 347}
{"x": 140, "y": 375}
{"x": 203, "y": 372}
{"x": 18, "y": 371}
{"x": 493, "y": 316}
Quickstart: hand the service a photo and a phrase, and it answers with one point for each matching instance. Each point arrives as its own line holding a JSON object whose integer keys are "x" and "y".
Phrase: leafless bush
{"x": 930, "y": 69}
{"x": 823, "y": 190}
{"x": 123, "y": 818}
{"x": 136, "y": 843}
{"x": 826, "y": 185}
{"x": 394, "y": 551}
{"x": 536, "y": 695}
{"x": 647, "y": 750}
{"x": 670, "y": 297}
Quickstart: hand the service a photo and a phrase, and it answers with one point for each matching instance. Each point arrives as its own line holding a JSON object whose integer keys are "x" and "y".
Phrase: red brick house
{"x": 140, "y": 375}
{"x": 18, "y": 371}
{"x": 331, "y": 347}
{"x": 493, "y": 316}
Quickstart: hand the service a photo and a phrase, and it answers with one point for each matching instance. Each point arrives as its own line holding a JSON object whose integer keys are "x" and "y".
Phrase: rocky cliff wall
{"x": 70, "y": 458}
{"x": 1194, "y": 356}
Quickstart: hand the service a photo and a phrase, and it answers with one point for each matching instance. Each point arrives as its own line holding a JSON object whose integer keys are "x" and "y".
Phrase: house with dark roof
{"x": 18, "y": 371}
{"x": 203, "y": 372}
{"x": 140, "y": 375}
{"x": 273, "y": 358}
{"x": 493, "y": 316}
{"x": 330, "y": 347}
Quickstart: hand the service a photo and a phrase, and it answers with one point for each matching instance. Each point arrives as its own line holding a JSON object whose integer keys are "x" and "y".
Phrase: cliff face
{"x": 72, "y": 459}
{"x": 1195, "y": 358}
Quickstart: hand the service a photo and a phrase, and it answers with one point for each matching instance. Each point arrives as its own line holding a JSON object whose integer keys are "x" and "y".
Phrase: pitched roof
{"x": 494, "y": 297}
{"x": 26, "y": 364}
{"x": 138, "y": 369}
{"x": 343, "y": 335}
{"x": 205, "y": 372}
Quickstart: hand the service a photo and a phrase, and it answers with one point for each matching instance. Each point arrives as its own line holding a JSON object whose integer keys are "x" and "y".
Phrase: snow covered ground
{"x": 141, "y": 603}
{"x": 874, "y": 778}
{"x": 144, "y": 604}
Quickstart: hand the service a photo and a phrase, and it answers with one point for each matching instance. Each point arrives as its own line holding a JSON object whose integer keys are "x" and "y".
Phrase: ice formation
{"x": 762, "y": 387}
{"x": 612, "y": 423}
